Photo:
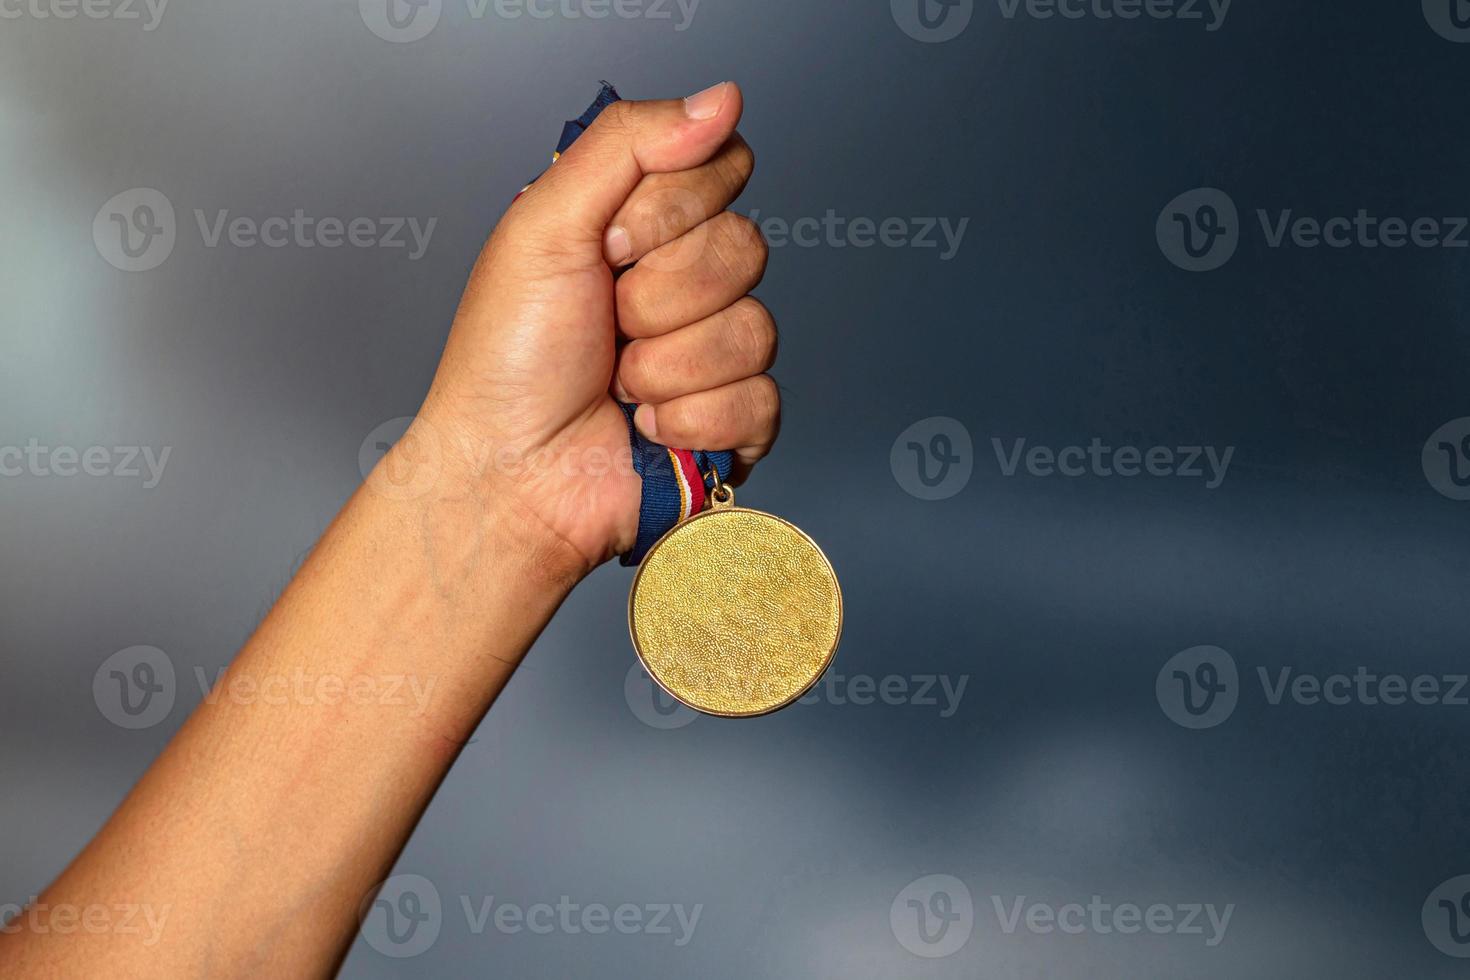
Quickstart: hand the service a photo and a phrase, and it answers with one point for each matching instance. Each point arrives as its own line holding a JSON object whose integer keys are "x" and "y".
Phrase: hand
{"x": 523, "y": 403}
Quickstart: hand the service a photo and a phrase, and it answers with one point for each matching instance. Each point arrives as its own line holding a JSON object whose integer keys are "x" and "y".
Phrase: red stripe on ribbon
{"x": 693, "y": 478}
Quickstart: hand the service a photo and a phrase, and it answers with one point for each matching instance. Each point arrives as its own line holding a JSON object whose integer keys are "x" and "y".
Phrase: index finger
{"x": 664, "y": 206}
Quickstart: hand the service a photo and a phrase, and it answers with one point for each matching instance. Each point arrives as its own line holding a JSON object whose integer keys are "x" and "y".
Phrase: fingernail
{"x": 617, "y": 245}
{"x": 621, "y": 393}
{"x": 706, "y": 104}
{"x": 643, "y": 418}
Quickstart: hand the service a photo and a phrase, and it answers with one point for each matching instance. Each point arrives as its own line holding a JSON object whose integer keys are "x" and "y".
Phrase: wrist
{"x": 470, "y": 523}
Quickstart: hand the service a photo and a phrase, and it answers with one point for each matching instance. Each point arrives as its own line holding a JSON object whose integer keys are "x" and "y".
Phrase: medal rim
{"x": 836, "y": 588}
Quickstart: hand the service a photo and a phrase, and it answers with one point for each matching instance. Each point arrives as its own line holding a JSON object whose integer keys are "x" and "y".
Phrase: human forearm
{"x": 260, "y": 830}
{"x": 291, "y": 790}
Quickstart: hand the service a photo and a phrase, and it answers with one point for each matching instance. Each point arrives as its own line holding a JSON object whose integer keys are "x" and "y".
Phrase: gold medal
{"x": 735, "y": 612}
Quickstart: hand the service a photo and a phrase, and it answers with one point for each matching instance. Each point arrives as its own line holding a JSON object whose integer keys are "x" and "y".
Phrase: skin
{"x": 263, "y": 827}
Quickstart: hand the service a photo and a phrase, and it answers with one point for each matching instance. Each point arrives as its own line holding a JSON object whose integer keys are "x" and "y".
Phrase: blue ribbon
{"x": 658, "y": 511}
{"x": 576, "y": 127}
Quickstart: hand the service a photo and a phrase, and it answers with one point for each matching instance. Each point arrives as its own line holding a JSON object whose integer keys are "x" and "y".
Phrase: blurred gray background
{"x": 1335, "y": 541}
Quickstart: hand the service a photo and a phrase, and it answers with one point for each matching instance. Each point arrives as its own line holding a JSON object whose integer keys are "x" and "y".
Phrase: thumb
{"x": 573, "y": 202}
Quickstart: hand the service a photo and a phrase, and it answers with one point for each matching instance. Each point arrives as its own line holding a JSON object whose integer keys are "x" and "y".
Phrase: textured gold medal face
{"x": 735, "y": 612}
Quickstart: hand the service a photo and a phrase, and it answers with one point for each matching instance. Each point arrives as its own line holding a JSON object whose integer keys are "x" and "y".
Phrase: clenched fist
{"x": 618, "y": 276}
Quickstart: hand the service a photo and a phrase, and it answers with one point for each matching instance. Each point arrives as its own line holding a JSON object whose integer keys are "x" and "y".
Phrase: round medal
{"x": 735, "y": 612}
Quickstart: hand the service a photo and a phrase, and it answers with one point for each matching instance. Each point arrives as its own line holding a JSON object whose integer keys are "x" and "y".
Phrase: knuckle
{"x": 763, "y": 398}
{"x": 744, "y": 231}
{"x": 674, "y": 210}
{"x": 685, "y": 418}
{"x": 738, "y": 163}
{"x": 738, "y": 247}
{"x": 658, "y": 368}
{"x": 637, "y": 367}
{"x": 665, "y": 194}
{"x": 752, "y": 333}
{"x": 636, "y": 305}
{"x": 616, "y": 118}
